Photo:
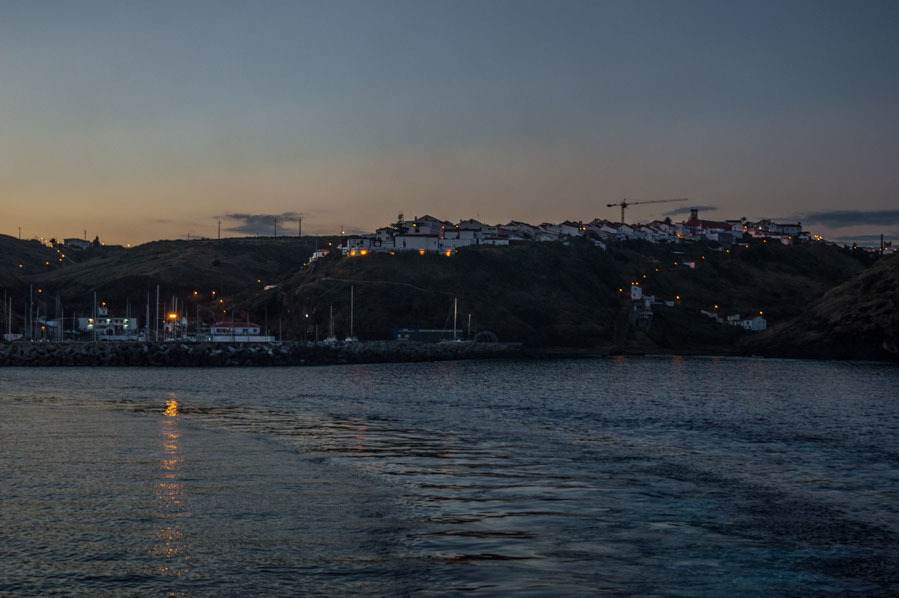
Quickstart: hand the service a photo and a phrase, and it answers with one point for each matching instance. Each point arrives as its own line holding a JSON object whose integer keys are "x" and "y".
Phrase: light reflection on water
{"x": 665, "y": 476}
{"x": 171, "y": 546}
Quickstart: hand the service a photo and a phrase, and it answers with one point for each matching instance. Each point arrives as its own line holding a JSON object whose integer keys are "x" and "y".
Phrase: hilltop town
{"x": 693, "y": 286}
{"x": 431, "y": 234}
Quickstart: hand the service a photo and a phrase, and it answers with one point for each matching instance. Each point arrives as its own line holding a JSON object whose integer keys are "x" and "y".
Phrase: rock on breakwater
{"x": 183, "y": 354}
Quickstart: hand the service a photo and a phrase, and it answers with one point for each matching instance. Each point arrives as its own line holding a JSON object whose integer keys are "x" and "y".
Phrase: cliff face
{"x": 858, "y": 319}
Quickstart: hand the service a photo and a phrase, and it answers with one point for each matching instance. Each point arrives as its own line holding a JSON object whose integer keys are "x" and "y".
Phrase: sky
{"x": 137, "y": 121}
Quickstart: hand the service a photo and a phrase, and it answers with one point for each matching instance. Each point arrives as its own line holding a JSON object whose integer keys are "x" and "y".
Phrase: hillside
{"x": 542, "y": 294}
{"x": 549, "y": 294}
{"x": 21, "y": 260}
{"x": 227, "y": 266}
{"x": 858, "y": 319}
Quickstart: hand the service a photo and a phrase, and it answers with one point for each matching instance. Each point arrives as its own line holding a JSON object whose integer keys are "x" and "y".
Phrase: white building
{"x": 108, "y": 328}
{"x": 427, "y": 225}
{"x": 416, "y": 242}
{"x": 77, "y": 243}
{"x": 236, "y": 332}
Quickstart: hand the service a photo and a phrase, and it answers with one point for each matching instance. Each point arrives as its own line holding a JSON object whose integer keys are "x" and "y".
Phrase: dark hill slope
{"x": 34, "y": 258}
{"x": 551, "y": 294}
{"x": 541, "y": 294}
{"x": 227, "y": 266}
{"x": 858, "y": 319}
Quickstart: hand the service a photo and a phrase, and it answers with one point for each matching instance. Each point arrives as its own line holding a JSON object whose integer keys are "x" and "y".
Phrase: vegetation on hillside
{"x": 571, "y": 294}
{"x": 858, "y": 319}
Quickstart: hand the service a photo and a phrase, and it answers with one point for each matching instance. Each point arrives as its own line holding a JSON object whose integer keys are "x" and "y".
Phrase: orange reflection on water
{"x": 171, "y": 408}
{"x": 169, "y": 543}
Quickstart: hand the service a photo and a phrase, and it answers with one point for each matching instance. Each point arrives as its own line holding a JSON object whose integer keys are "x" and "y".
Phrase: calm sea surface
{"x": 628, "y": 476}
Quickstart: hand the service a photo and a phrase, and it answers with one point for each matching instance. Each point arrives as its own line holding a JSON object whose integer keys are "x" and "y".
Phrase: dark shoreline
{"x": 187, "y": 354}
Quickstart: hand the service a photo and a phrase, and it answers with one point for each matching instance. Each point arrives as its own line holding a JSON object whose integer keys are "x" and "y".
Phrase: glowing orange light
{"x": 195, "y": 292}
{"x": 363, "y": 251}
{"x": 421, "y": 252}
{"x": 171, "y": 408}
{"x": 449, "y": 252}
{"x": 172, "y": 316}
{"x": 352, "y": 253}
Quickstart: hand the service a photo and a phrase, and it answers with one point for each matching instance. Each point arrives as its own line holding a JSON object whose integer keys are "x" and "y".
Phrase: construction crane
{"x": 626, "y": 204}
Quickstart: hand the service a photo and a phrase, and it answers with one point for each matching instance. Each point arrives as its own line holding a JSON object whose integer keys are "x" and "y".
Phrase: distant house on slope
{"x": 75, "y": 243}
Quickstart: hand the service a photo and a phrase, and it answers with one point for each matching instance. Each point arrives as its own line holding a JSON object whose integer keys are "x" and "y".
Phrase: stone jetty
{"x": 186, "y": 354}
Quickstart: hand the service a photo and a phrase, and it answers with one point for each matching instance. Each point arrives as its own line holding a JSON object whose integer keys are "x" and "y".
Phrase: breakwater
{"x": 242, "y": 354}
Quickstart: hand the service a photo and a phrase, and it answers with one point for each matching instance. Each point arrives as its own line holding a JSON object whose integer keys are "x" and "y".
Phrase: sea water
{"x": 626, "y": 476}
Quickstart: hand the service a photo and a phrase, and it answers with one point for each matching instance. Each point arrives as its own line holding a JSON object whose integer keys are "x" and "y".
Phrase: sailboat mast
{"x": 455, "y": 313}
{"x": 351, "y": 311}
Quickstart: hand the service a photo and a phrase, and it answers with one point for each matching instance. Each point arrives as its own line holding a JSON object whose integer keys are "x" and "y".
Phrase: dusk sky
{"x": 145, "y": 120}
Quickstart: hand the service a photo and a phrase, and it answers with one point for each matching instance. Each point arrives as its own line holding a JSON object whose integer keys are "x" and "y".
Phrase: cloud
{"x": 679, "y": 211}
{"x": 868, "y": 238}
{"x": 847, "y": 218}
{"x": 263, "y": 224}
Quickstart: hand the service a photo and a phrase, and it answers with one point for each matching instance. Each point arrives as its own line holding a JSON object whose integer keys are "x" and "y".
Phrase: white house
{"x": 237, "y": 332}
{"x": 756, "y": 324}
{"x": 108, "y": 328}
{"x": 77, "y": 243}
{"x": 521, "y": 229}
{"x": 413, "y": 242}
{"x": 427, "y": 225}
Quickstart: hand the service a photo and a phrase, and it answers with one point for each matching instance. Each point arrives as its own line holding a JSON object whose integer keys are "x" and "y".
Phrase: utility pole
{"x": 220, "y": 230}
{"x": 157, "y": 313}
{"x": 299, "y": 227}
